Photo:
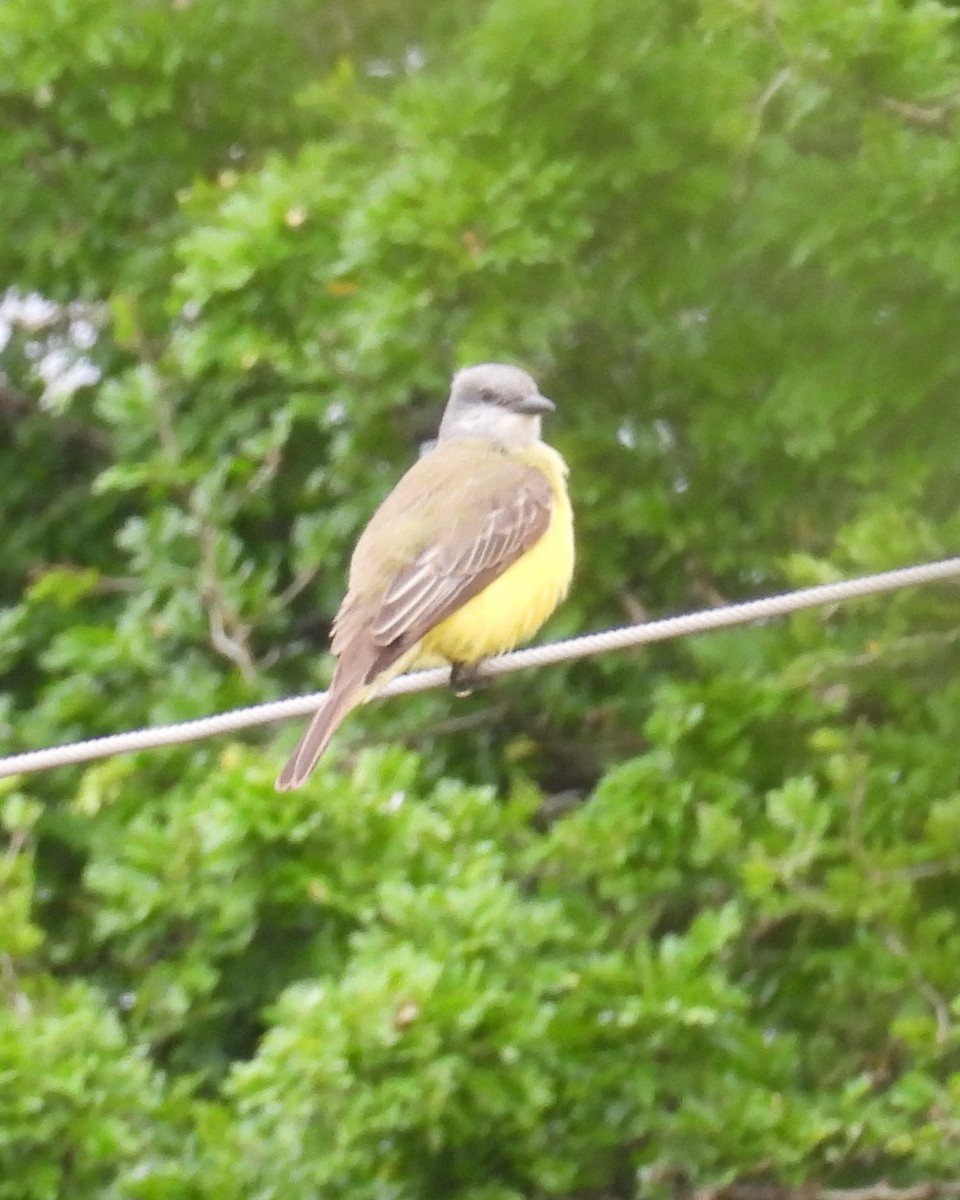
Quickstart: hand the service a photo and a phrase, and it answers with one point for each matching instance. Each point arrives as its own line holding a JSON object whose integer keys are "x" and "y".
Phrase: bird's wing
{"x": 446, "y": 575}
{"x": 493, "y": 520}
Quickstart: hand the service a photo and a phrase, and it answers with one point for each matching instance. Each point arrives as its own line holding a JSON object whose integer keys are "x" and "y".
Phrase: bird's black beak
{"x": 535, "y": 405}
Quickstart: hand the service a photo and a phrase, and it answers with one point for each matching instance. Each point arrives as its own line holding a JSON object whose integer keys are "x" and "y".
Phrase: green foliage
{"x": 638, "y": 926}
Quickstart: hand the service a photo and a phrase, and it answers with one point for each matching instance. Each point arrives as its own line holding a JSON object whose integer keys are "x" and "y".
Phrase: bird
{"x": 466, "y": 558}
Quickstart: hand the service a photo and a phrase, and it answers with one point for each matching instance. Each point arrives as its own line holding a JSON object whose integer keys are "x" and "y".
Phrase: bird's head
{"x": 497, "y": 402}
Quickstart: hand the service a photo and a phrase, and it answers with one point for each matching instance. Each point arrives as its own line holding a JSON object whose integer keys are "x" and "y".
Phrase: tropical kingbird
{"x": 467, "y": 556}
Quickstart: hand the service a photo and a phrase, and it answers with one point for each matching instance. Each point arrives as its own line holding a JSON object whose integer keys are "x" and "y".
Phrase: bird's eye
{"x": 486, "y": 394}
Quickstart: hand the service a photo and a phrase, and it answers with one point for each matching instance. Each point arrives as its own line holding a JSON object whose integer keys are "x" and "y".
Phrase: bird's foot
{"x": 467, "y": 677}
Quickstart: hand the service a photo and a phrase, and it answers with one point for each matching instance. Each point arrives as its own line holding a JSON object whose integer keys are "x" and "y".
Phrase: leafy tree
{"x": 676, "y": 922}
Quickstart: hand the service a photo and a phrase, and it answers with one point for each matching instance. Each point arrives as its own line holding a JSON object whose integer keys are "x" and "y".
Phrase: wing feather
{"x": 445, "y": 576}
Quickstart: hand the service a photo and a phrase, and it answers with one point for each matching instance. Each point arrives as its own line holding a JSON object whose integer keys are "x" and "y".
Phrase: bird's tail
{"x": 344, "y": 694}
{"x": 357, "y": 679}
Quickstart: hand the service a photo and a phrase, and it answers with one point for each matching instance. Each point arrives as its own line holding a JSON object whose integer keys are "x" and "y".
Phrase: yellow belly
{"x": 512, "y": 608}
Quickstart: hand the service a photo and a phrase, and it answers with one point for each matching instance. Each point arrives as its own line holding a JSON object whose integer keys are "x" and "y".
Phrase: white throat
{"x": 499, "y": 425}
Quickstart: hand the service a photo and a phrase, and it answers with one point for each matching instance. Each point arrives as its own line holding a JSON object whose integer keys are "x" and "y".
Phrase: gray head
{"x": 499, "y": 403}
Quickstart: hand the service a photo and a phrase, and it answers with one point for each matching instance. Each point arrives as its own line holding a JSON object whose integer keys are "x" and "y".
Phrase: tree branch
{"x": 930, "y": 1190}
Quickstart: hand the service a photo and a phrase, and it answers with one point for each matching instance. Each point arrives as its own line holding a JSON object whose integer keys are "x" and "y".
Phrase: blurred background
{"x": 679, "y": 922}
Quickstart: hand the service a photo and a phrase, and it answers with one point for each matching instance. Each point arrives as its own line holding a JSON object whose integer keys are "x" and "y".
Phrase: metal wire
{"x": 538, "y": 656}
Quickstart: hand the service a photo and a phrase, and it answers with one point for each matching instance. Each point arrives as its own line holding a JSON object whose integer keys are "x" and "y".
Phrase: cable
{"x": 538, "y": 656}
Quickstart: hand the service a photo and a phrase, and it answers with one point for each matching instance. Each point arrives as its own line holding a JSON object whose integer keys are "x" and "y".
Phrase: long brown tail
{"x": 344, "y": 694}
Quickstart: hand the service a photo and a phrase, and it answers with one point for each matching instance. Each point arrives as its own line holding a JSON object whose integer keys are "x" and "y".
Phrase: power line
{"x": 538, "y": 656}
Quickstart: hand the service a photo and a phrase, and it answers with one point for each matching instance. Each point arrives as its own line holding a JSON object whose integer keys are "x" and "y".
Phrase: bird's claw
{"x": 466, "y": 678}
